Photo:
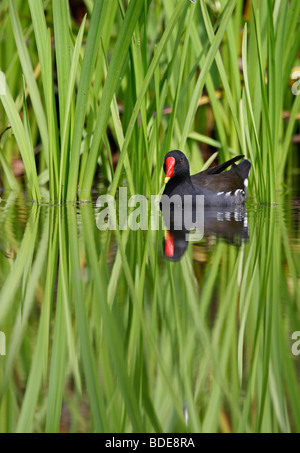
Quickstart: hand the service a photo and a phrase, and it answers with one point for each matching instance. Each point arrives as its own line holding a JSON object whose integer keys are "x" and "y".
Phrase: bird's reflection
{"x": 228, "y": 223}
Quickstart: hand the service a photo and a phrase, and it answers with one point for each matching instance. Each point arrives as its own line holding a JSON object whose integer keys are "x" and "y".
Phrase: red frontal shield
{"x": 170, "y": 164}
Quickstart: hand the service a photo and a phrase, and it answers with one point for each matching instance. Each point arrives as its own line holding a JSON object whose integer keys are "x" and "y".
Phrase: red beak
{"x": 170, "y": 164}
{"x": 169, "y": 244}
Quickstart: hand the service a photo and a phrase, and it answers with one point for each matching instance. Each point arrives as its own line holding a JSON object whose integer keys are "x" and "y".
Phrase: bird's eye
{"x": 180, "y": 161}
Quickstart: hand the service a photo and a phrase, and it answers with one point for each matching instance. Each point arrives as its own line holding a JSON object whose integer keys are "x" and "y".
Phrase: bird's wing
{"x": 229, "y": 181}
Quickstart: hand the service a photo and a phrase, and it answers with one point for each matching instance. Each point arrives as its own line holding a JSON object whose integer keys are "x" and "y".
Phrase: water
{"x": 131, "y": 330}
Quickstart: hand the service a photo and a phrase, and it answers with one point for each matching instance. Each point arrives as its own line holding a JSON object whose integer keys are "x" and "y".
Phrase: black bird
{"x": 219, "y": 189}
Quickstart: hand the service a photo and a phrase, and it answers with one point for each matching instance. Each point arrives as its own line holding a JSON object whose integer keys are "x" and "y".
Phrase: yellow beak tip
{"x": 167, "y": 179}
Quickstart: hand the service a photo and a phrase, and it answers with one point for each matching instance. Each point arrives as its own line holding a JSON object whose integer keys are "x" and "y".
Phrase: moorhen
{"x": 219, "y": 189}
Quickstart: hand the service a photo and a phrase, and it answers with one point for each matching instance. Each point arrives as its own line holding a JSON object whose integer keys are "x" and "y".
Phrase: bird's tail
{"x": 222, "y": 167}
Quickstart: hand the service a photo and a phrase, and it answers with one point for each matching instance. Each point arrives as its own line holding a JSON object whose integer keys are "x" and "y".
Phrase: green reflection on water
{"x": 104, "y": 333}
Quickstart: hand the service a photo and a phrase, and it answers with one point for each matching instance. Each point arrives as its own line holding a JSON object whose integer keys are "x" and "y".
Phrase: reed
{"x": 104, "y": 335}
{"x": 72, "y": 127}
